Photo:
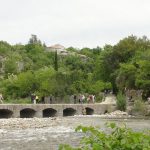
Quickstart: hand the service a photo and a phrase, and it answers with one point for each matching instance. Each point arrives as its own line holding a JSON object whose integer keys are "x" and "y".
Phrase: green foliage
{"x": 139, "y": 108}
{"x": 121, "y": 101}
{"x": 67, "y": 147}
{"x": 86, "y": 51}
{"x": 78, "y": 87}
{"x": 18, "y": 101}
{"x": 34, "y": 40}
{"x": 118, "y": 138}
{"x": 99, "y": 86}
{"x": 19, "y": 86}
{"x": 75, "y": 63}
{"x": 32, "y": 68}
{"x": 126, "y": 76}
{"x": 143, "y": 76}
{"x": 56, "y": 61}
{"x": 5, "y": 48}
{"x": 44, "y": 81}
{"x": 103, "y": 66}
{"x": 10, "y": 66}
{"x": 72, "y": 49}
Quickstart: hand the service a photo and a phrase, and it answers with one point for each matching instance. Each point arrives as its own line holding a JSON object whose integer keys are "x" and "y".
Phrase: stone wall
{"x": 52, "y": 110}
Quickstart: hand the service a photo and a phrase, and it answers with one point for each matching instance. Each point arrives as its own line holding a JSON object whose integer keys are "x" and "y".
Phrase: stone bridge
{"x": 52, "y": 110}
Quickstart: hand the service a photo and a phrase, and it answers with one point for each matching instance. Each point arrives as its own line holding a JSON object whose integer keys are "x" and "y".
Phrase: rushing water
{"x": 53, "y": 132}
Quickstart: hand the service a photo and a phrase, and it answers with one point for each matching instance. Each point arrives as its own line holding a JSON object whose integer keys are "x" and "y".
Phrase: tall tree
{"x": 34, "y": 39}
{"x": 56, "y": 61}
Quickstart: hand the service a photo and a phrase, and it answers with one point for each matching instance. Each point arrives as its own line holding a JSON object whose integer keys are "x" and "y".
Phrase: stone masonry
{"x": 53, "y": 110}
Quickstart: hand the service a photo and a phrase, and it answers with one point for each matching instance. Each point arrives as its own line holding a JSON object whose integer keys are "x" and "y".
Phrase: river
{"x": 48, "y": 133}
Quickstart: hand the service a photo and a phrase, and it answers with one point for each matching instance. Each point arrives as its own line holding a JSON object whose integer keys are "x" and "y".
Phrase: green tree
{"x": 10, "y": 66}
{"x": 56, "y": 61}
{"x": 5, "y": 48}
{"x": 126, "y": 76}
{"x": 99, "y": 86}
{"x": 18, "y": 86}
{"x": 143, "y": 77}
{"x": 45, "y": 81}
{"x": 34, "y": 40}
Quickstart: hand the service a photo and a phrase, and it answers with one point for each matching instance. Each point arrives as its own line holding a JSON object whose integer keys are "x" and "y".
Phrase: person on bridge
{"x": 36, "y": 99}
{"x": 1, "y": 98}
{"x": 32, "y": 98}
{"x": 81, "y": 99}
{"x": 75, "y": 99}
{"x": 91, "y": 99}
{"x": 50, "y": 100}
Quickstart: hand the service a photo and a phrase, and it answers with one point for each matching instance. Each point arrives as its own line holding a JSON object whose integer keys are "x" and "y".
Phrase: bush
{"x": 119, "y": 138}
{"x": 18, "y": 101}
{"x": 139, "y": 108}
{"x": 121, "y": 101}
{"x": 99, "y": 97}
{"x": 99, "y": 86}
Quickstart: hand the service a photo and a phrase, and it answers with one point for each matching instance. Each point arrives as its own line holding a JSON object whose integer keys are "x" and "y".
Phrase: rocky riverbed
{"x": 24, "y": 123}
{"x": 48, "y": 133}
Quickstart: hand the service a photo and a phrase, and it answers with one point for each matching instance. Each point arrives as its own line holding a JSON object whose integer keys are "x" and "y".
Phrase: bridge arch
{"x": 49, "y": 112}
{"x": 5, "y": 113}
{"x": 69, "y": 112}
{"x": 89, "y": 111}
{"x": 27, "y": 113}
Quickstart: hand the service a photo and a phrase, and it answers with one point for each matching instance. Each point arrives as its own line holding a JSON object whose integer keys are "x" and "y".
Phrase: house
{"x": 59, "y": 48}
{"x": 61, "y": 51}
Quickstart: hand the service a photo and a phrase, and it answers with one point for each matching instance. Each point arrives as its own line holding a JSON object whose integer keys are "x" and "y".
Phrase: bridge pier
{"x": 16, "y": 114}
{"x": 39, "y": 114}
{"x": 60, "y": 113}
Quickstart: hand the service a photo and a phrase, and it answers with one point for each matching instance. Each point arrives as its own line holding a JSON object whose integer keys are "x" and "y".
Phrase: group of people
{"x": 42, "y": 100}
{"x": 82, "y": 99}
{"x": 34, "y": 98}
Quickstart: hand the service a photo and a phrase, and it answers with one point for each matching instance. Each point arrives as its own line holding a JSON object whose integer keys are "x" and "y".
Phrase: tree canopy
{"x": 31, "y": 68}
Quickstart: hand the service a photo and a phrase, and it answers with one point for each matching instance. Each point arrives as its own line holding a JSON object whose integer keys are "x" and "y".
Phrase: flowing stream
{"x": 48, "y": 133}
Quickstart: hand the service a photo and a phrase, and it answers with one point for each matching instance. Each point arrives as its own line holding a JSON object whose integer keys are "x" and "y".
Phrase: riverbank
{"x": 72, "y": 121}
{"x": 49, "y": 133}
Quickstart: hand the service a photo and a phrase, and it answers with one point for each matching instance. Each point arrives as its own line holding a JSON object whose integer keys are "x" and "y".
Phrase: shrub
{"x": 121, "y": 102}
{"x": 139, "y": 108}
{"x": 119, "y": 138}
{"x": 18, "y": 101}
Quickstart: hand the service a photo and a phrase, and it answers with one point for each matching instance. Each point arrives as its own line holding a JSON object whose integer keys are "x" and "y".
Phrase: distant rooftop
{"x": 56, "y": 46}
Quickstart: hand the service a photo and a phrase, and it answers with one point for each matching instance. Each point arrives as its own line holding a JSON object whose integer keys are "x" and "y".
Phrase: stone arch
{"x": 49, "y": 112}
{"x": 69, "y": 112}
{"x": 89, "y": 111}
{"x": 5, "y": 113}
{"x": 106, "y": 111}
{"x": 27, "y": 113}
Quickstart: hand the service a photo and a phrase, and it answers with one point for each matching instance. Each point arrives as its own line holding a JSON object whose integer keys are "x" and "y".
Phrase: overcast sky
{"x": 78, "y": 23}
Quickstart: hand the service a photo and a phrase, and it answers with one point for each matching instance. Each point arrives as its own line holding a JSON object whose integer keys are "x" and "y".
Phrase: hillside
{"x": 31, "y": 68}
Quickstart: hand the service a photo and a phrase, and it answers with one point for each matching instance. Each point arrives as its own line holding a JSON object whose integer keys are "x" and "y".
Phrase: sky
{"x": 77, "y": 23}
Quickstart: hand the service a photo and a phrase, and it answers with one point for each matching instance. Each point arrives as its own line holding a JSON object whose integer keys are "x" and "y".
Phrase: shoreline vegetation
{"x": 118, "y": 137}
{"x": 87, "y": 125}
{"x": 94, "y": 134}
{"x": 57, "y": 71}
